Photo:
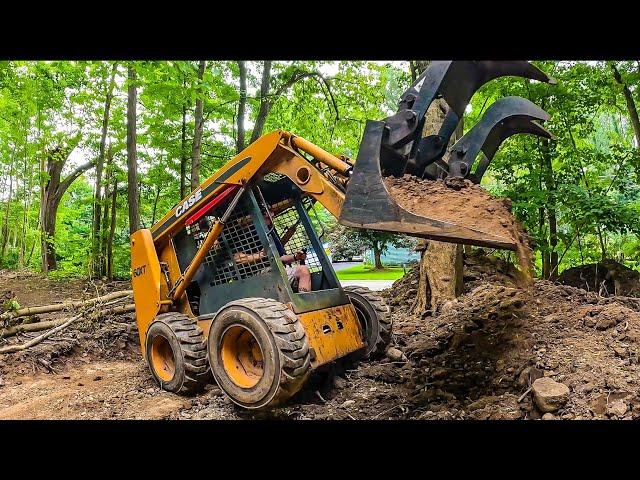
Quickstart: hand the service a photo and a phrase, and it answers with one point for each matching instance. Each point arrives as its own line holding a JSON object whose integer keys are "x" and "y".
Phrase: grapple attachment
{"x": 395, "y": 147}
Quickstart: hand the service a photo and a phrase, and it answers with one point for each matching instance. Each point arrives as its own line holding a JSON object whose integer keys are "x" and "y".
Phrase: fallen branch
{"x": 37, "y": 340}
{"x": 56, "y": 307}
{"x": 39, "y": 326}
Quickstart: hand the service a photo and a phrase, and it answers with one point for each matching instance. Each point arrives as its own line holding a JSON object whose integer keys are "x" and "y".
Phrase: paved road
{"x": 342, "y": 265}
{"x": 372, "y": 284}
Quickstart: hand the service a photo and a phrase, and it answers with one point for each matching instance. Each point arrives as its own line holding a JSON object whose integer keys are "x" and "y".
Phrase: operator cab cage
{"x": 226, "y": 274}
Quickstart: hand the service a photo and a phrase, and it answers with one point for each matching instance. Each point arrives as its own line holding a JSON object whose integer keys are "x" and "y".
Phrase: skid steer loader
{"x": 213, "y": 298}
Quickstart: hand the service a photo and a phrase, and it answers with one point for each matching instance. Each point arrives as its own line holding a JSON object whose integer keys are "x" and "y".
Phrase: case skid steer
{"x": 214, "y": 300}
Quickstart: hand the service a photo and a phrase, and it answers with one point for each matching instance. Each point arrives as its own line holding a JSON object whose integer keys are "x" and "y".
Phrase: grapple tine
{"x": 456, "y": 82}
{"x": 506, "y": 117}
{"x": 368, "y": 204}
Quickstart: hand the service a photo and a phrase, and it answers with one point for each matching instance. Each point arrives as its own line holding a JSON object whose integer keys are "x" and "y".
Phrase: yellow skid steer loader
{"x": 218, "y": 295}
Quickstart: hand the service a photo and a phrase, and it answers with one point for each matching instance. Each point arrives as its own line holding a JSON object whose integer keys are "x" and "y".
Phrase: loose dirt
{"x": 462, "y": 202}
{"x": 475, "y": 360}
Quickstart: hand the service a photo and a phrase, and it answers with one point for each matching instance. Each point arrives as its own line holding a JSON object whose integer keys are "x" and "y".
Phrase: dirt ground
{"x": 475, "y": 360}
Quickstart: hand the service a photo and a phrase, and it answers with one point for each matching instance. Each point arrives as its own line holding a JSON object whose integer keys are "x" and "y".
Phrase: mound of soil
{"x": 476, "y": 359}
{"x": 462, "y": 202}
{"x": 607, "y": 277}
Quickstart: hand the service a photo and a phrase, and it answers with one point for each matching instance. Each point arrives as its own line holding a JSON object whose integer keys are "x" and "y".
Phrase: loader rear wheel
{"x": 258, "y": 351}
{"x": 177, "y": 353}
{"x": 375, "y": 319}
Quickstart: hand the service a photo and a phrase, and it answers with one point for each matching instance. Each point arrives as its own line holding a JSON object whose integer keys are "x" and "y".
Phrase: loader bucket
{"x": 368, "y": 203}
{"x": 395, "y": 146}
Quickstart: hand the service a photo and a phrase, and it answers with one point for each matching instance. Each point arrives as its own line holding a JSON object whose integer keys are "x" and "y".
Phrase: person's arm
{"x": 296, "y": 257}
{"x": 241, "y": 257}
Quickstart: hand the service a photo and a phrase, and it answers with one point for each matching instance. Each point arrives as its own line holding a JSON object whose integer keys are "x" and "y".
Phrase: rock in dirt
{"x": 549, "y": 416}
{"x": 395, "y": 354}
{"x": 549, "y": 395}
{"x": 617, "y": 408}
{"x": 348, "y": 403}
{"x": 529, "y": 375}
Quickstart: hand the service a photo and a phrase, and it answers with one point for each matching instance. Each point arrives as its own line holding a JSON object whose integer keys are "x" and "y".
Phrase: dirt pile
{"x": 462, "y": 202}
{"x": 90, "y": 338}
{"x": 477, "y": 359}
{"x": 607, "y": 277}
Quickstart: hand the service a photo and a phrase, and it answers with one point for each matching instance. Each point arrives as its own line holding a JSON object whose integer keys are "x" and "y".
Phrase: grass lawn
{"x": 362, "y": 272}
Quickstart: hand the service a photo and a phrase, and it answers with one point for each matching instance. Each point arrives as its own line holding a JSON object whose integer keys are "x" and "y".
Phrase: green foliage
{"x": 587, "y": 178}
{"x": 365, "y": 272}
{"x": 11, "y": 305}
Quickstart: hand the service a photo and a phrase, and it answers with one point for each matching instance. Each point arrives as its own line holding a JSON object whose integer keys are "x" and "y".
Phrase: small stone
{"x": 620, "y": 351}
{"x": 549, "y": 395}
{"x": 395, "y": 354}
{"x": 528, "y": 376}
{"x": 151, "y": 390}
{"x": 617, "y": 408}
{"x": 548, "y": 416}
{"x": 348, "y": 403}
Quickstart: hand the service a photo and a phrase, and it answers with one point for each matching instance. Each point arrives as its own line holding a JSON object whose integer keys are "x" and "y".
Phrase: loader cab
{"x": 245, "y": 261}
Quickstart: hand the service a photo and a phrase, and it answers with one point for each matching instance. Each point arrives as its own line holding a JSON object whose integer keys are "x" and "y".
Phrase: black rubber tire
{"x": 284, "y": 348}
{"x": 375, "y": 319}
{"x": 189, "y": 351}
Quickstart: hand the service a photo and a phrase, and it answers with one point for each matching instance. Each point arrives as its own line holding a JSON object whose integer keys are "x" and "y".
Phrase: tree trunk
{"x": 132, "y": 164}
{"x": 106, "y": 214}
{"x": 552, "y": 256}
{"x": 155, "y": 204}
{"x": 631, "y": 105}
{"x": 97, "y": 202}
{"x": 26, "y": 190}
{"x": 183, "y": 149}
{"x": 112, "y": 230}
{"x": 376, "y": 255}
{"x": 265, "y": 104}
{"x": 197, "y": 132}
{"x": 5, "y": 226}
{"x": 54, "y": 189}
{"x": 241, "y": 106}
{"x": 441, "y": 263}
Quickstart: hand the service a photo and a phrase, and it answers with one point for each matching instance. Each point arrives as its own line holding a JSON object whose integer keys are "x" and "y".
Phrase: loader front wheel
{"x": 258, "y": 352}
{"x": 177, "y": 353}
{"x": 375, "y": 319}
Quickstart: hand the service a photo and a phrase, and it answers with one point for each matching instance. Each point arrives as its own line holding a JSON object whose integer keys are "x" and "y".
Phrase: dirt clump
{"x": 607, "y": 277}
{"x": 464, "y": 203}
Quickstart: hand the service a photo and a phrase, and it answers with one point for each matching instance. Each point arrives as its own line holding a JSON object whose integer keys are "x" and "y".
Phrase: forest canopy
{"x": 65, "y": 134}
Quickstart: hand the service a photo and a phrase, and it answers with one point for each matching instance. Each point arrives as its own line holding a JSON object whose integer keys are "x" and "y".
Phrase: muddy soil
{"x": 474, "y": 360}
{"x": 463, "y": 203}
